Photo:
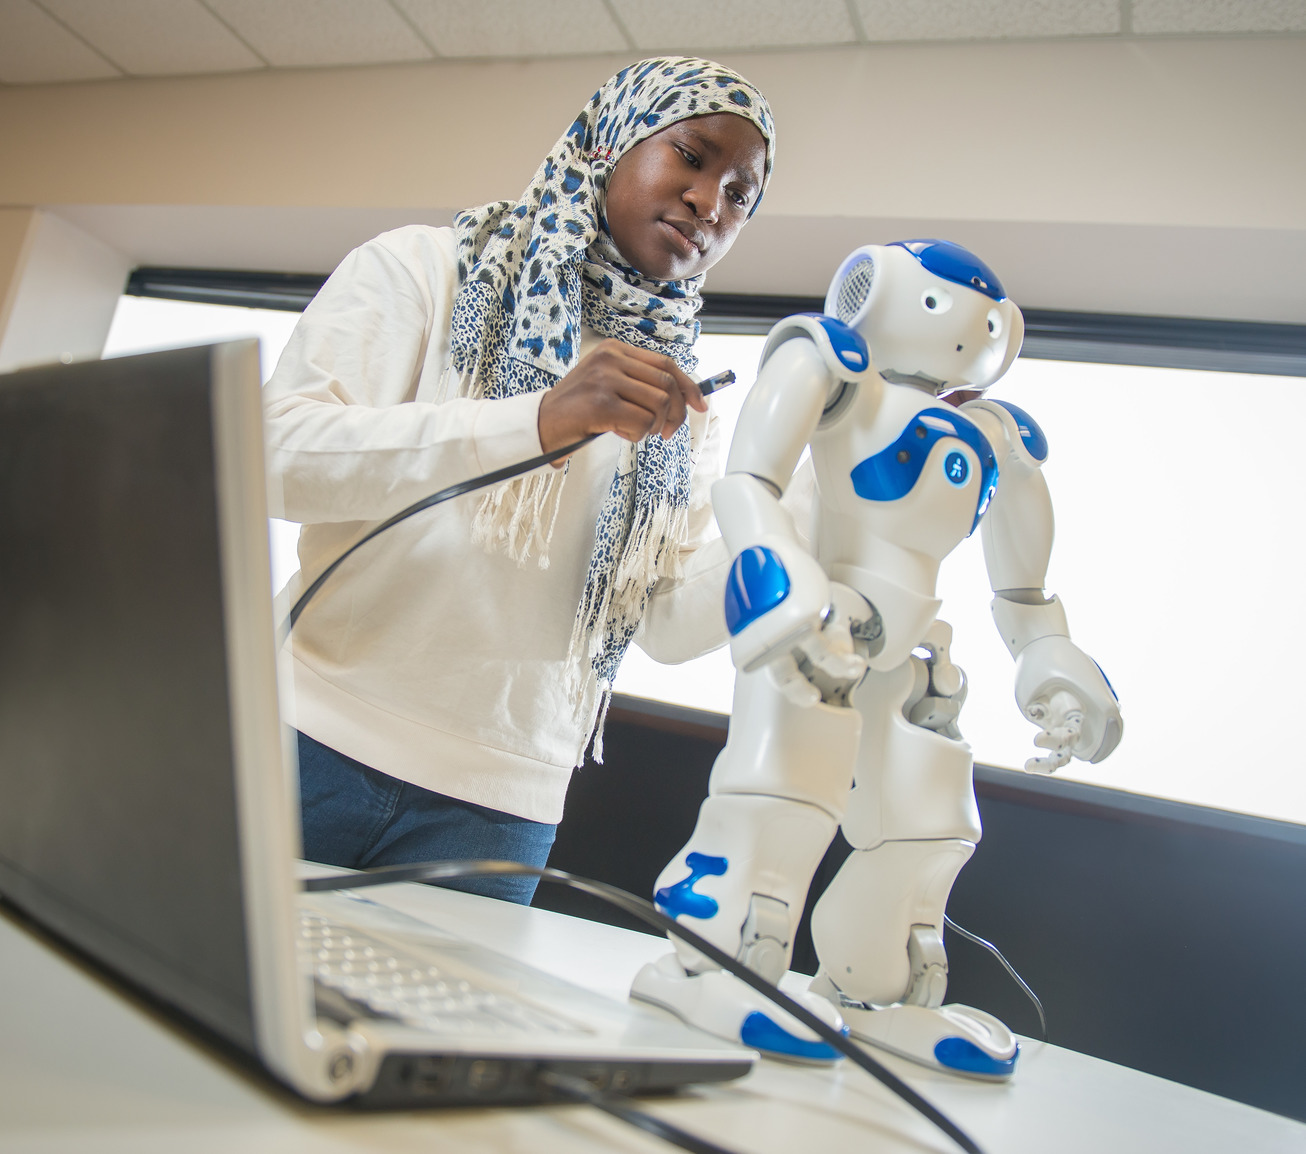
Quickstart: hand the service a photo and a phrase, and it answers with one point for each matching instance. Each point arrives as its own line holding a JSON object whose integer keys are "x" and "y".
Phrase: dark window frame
{"x": 1050, "y": 334}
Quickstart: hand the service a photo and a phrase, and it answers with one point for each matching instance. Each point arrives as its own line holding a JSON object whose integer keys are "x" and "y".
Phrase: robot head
{"x": 932, "y": 312}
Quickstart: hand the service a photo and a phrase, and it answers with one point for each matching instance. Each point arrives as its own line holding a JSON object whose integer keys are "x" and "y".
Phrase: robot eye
{"x": 995, "y": 323}
{"x": 936, "y": 300}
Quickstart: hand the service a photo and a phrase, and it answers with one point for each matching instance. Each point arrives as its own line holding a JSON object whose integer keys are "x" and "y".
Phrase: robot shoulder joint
{"x": 842, "y": 348}
{"x": 1023, "y": 435}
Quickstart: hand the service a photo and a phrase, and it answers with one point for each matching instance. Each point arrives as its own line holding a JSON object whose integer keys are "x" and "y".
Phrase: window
{"x": 1178, "y": 538}
{"x": 141, "y": 324}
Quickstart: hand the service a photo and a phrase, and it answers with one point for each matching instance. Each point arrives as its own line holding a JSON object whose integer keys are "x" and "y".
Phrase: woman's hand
{"x": 617, "y": 389}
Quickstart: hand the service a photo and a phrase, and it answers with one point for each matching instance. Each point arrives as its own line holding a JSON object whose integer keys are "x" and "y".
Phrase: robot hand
{"x": 825, "y": 665}
{"x": 1062, "y": 719}
{"x": 1062, "y": 690}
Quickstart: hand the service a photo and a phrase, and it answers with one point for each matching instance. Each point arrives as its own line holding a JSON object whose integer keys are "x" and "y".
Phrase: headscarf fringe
{"x": 596, "y": 749}
{"x": 652, "y": 552}
{"x": 517, "y": 518}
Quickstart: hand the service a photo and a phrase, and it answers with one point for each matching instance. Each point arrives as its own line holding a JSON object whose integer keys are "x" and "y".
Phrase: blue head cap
{"x": 952, "y": 262}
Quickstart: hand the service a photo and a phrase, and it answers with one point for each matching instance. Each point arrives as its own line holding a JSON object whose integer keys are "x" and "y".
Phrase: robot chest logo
{"x": 893, "y": 472}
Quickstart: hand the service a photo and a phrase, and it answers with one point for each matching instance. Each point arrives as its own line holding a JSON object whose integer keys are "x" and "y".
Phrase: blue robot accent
{"x": 892, "y": 473}
{"x": 845, "y": 341}
{"x": 681, "y": 899}
{"x": 1031, "y": 436}
{"x": 952, "y": 262}
{"x": 758, "y": 582}
{"x": 959, "y": 1054}
{"x": 1108, "y": 681}
{"x": 761, "y": 1033}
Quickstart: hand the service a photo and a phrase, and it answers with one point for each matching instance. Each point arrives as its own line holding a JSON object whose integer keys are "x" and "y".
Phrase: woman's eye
{"x": 738, "y": 197}
{"x": 689, "y": 156}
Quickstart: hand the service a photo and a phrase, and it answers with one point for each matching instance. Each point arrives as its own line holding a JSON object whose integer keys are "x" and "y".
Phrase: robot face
{"x": 933, "y": 314}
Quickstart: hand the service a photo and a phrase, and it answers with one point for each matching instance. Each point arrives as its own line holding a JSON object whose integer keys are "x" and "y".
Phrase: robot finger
{"x": 1049, "y": 763}
{"x": 842, "y": 666}
{"x": 1059, "y": 738}
{"x": 786, "y": 677}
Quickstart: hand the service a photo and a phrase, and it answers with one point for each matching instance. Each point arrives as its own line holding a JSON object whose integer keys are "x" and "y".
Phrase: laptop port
{"x": 432, "y": 1076}
{"x": 486, "y": 1075}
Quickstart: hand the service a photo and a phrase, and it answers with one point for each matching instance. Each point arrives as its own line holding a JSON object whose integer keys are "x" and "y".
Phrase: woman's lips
{"x": 688, "y": 243}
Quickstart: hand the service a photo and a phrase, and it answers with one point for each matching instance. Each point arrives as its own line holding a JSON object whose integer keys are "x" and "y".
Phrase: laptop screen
{"x": 118, "y": 826}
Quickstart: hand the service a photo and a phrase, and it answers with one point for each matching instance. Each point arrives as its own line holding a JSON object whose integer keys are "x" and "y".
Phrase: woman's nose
{"x": 705, "y": 203}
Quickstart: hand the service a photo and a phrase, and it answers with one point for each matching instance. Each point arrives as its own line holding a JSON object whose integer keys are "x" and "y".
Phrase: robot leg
{"x": 777, "y": 792}
{"x": 913, "y": 824}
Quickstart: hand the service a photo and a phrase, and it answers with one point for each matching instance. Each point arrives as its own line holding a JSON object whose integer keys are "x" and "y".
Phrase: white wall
{"x": 1160, "y": 176}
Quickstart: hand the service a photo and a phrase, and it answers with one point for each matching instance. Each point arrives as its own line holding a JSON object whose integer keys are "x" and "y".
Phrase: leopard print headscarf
{"x": 531, "y": 272}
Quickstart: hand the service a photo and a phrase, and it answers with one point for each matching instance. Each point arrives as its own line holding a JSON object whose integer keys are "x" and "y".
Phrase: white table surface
{"x": 84, "y": 1068}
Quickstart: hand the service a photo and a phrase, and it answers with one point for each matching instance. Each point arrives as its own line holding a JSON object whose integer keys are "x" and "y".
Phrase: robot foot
{"x": 722, "y": 1005}
{"x": 957, "y": 1039}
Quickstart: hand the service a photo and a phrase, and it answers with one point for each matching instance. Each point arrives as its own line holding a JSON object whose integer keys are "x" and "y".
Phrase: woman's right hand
{"x": 620, "y": 389}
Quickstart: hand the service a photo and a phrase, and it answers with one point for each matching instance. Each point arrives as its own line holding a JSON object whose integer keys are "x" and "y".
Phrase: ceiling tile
{"x": 987, "y": 19}
{"x": 156, "y": 37}
{"x": 320, "y": 33}
{"x": 1169, "y": 16}
{"x": 489, "y": 28}
{"x": 693, "y": 26}
{"x": 36, "y": 49}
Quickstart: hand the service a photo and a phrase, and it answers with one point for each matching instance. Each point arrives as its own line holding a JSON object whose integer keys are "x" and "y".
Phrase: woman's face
{"x": 677, "y": 199}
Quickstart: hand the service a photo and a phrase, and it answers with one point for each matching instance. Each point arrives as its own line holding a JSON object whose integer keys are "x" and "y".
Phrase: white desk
{"x": 84, "y": 1070}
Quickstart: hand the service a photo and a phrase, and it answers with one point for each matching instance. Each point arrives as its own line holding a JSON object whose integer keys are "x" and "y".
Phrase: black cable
{"x": 622, "y": 1107}
{"x": 647, "y": 912}
{"x": 446, "y": 494}
{"x": 1006, "y": 965}
{"x": 706, "y": 386}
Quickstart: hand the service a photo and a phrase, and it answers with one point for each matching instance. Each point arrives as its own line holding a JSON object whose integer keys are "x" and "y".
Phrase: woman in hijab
{"x": 450, "y": 676}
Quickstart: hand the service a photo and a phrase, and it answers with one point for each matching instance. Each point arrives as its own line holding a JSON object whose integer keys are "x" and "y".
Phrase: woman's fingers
{"x": 618, "y": 388}
{"x": 670, "y": 377}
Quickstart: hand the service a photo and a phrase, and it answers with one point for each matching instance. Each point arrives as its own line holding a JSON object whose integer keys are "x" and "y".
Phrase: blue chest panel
{"x": 892, "y": 473}
{"x": 1031, "y": 436}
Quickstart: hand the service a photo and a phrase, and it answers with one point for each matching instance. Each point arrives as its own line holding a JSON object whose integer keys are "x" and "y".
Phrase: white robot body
{"x": 846, "y": 701}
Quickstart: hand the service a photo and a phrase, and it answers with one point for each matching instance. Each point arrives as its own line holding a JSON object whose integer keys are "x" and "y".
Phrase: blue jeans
{"x": 355, "y": 817}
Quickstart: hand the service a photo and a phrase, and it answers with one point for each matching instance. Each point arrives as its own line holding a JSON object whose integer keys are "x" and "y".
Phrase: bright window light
{"x": 1174, "y": 556}
{"x": 1176, "y": 542}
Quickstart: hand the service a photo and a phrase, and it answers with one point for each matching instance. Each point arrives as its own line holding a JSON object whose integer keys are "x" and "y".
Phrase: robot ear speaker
{"x": 1015, "y": 337}
{"x": 851, "y": 293}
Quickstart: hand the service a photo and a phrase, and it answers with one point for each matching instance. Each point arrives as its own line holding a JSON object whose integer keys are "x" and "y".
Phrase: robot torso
{"x": 903, "y": 479}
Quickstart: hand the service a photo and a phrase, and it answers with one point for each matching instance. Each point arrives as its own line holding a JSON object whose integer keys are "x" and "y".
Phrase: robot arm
{"x": 778, "y": 598}
{"x": 1058, "y": 686}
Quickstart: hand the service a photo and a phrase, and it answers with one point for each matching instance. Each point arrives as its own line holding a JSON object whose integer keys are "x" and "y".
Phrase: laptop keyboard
{"x": 382, "y": 981}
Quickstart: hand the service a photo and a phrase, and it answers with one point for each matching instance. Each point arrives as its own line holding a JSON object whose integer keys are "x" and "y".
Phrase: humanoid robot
{"x": 846, "y": 701}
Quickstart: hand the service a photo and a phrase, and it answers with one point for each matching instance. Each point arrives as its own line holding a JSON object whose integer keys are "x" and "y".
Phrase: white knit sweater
{"x": 425, "y": 656}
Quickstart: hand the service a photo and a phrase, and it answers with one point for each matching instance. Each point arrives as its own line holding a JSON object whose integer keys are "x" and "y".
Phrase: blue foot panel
{"x": 967, "y": 1058}
{"x": 761, "y": 1033}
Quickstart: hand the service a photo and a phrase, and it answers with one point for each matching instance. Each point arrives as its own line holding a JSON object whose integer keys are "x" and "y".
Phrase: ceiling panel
{"x": 693, "y": 26}
{"x": 320, "y": 33}
{"x": 1179, "y": 16}
{"x": 156, "y": 37}
{"x": 35, "y": 48}
{"x": 987, "y": 19}
{"x": 488, "y": 28}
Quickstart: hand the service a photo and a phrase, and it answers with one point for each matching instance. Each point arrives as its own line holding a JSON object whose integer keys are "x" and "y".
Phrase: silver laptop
{"x": 148, "y": 799}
